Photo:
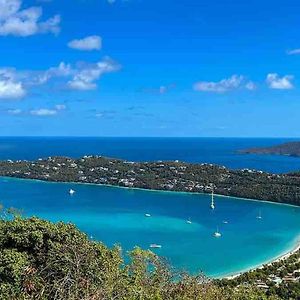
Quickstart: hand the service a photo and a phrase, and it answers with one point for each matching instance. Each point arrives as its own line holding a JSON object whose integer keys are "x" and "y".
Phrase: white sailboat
{"x": 212, "y": 204}
{"x": 259, "y": 215}
{"x": 71, "y": 192}
{"x": 217, "y": 234}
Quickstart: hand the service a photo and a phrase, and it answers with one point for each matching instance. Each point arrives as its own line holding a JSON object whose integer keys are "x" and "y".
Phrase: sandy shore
{"x": 277, "y": 259}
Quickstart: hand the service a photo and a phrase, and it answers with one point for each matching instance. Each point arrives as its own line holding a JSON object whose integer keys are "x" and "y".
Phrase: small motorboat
{"x": 155, "y": 246}
{"x": 147, "y": 215}
{"x": 217, "y": 234}
{"x": 71, "y": 192}
{"x": 189, "y": 221}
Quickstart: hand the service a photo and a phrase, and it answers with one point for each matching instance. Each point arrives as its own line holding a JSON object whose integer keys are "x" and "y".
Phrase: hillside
{"x": 291, "y": 149}
{"x": 42, "y": 260}
{"x": 170, "y": 176}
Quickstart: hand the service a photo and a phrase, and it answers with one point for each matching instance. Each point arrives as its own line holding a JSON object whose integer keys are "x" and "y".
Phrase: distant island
{"x": 290, "y": 149}
{"x": 168, "y": 176}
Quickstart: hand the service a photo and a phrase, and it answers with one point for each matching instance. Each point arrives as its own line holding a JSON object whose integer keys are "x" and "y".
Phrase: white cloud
{"x": 9, "y": 87}
{"x": 293, "y": 52}
{"x": 14, "y": 111}
{"x": 24, "y": 22}
{"x": 87, "y": 74}
{"x": 82, "y": 76}
{"x": 89, "y": 43}
{"x": 250, "y": 85}
{"x": 42, "y": 112}
{"x": 62, "y": 70}
{"x": 280, "y": 83}
{"x": 222, "y": 86}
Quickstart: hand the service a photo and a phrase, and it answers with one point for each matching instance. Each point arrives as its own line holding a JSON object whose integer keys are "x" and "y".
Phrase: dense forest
{"x": 172, "y": 176}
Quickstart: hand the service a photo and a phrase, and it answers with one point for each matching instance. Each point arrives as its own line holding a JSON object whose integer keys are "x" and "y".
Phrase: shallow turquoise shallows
{"x": 116, "y": 215}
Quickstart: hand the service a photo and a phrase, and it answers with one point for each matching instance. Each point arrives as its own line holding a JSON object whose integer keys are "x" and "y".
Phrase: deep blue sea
{"x": 222, "y": 151}
{"x": 117, "y": 215}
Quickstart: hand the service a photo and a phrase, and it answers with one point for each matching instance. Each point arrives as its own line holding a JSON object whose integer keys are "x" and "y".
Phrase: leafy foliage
{"x": 42, "y": 260}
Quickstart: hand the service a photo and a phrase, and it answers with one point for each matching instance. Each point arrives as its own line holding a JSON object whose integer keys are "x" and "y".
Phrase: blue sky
{"x": 150, "y": 68}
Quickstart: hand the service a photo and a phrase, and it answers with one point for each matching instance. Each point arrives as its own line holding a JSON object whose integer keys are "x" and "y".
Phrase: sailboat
{"x": 212, "y": 204}
{"x": 71, "y": 192}
{"x": 189, "y": 221}
{"x": 259, "y": 215}
{"x": 217, "y": 234}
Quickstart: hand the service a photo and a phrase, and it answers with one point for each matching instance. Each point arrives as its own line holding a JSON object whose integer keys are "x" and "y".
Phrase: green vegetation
{"x": 42, "y": 260}
{"x": 280, "y": 278}
{"x": 172, "y": 176}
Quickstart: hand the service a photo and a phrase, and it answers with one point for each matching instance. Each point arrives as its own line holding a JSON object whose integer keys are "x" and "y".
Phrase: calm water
{"x": 210, "y": 150}
{"x": 116, "y": 215}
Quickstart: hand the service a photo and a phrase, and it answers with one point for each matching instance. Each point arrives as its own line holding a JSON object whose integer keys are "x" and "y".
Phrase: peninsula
{"x": 290, "y": 149}
{"x": 170, "y": 176}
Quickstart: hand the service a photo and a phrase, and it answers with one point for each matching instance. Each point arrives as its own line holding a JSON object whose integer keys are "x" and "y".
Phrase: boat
{"x": 259, "y": 215}
{"x": 225, "y": 222}
{"x": 71, "y": 192}
{"x": 155, "y": 246}
{"x": 217, "y": 234}
{"x": 147, "y": 215}
{"x": 189, "y": 221}
{"x": 212, "y": 204}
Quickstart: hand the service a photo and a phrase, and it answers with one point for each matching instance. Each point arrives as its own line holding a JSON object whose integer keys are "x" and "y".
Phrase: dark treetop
{"x": 171, "y": 176}
{"x": 291, "y": 149}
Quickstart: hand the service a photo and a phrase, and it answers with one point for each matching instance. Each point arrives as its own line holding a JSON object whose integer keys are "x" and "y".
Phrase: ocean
{"x": 221, "y": 151}
{"x": 117, "y": 215}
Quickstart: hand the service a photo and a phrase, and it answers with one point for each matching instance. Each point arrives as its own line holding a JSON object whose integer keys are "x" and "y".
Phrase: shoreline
{"x": 150, "y": 190}
{"x": 286, "y": 253}
{"x": 278, "y": 258}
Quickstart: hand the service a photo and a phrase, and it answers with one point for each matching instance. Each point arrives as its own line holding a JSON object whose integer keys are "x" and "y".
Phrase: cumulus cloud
{"x": 62, "y": 70}
{"x": 25, "y": 22}
{"x": 10, "y": 88}
{"x": 274, "y": 81}
{"x": 293, "y": 52}
{"x": 82, "y": 76}
{"x": 89, "y": 43}
{"x": 221, "y": 86}
{"x": 86, "y": 75}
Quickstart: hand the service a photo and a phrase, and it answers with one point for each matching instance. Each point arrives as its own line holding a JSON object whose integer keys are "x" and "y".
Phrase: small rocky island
{"x": 170, "y": 176}
{"x": 290, "y": 149}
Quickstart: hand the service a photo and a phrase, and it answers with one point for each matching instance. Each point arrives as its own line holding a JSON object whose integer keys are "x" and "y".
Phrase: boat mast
{"x": 212, "y": 205}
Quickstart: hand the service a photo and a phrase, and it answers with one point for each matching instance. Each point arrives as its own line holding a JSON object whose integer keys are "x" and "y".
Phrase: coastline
{"x": 278, "y": 258}
{"x": 151, "y": 190}
{"x": 285, "y": 254}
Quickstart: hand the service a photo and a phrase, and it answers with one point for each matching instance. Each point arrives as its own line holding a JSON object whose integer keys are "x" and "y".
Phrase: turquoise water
{"x": 116, "y": 215}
